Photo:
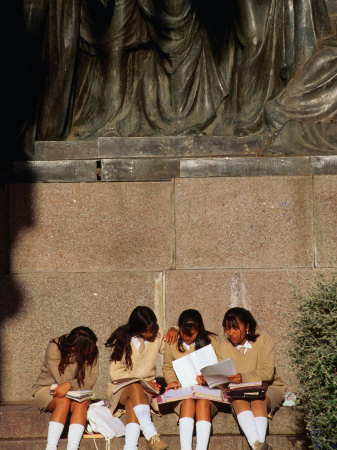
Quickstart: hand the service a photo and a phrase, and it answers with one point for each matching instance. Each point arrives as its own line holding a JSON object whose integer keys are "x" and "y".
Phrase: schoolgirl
{"x": 135, "y": 347}
{"x": 192, "y": 336}
{"x": 71, "y": 361}
{"x": 253, "y": 356}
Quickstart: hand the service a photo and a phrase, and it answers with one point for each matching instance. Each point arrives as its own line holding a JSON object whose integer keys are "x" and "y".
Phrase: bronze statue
{"x": 168, "y": 67}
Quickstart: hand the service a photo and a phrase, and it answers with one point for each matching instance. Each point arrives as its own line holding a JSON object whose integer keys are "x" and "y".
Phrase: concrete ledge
{"x": 216, "y": 443}
{"x": 54, "y": 171}
{"x": 26, "y": 421}
{"x": 122, "y": 167}
{"x": 139, "y": 169}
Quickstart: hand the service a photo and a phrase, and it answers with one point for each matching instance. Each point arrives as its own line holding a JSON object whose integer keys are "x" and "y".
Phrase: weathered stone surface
{"x": 325, "y": 220}
{"x": 51, "y": 304}
{"x": 89, "y": 228}
{"x": 54, "y": 171}
{"x": 57, "y": 150}
{"x": 245, "y": 167}
{"x": 178, "y": 146}
{"x": 139, "y": 169}
{"x": 3, "y": 231}
{"x": 267, "y": 293}
{"x": 324, "y": 165}
{"x": 244, "y": 222}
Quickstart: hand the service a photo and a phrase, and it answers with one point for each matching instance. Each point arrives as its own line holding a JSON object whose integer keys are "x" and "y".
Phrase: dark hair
{"x": 78, "y": 346}
{"x": 235, "y": 315}
{"x": 189, "y": 319}
{"x": 141, "y": 319}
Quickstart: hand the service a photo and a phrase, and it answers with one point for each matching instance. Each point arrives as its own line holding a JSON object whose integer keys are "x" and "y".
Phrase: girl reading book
{"x": 71, "y": 361}
{"x": 192, "y": 336}
{"x": 135, "y": 347}
{"x": 253, "y": 356}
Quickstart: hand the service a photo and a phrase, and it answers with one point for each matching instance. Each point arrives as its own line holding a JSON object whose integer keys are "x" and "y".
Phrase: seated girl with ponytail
{"x": 192, "y": 336}
{"x": 71, "y": 361}
{"x": 135, "y": 347}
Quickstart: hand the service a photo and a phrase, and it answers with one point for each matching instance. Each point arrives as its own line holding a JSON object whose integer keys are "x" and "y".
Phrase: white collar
{"x": 246, "y": 346}
{"x": 186, "y": 345}
{"x": 136, "y": 342}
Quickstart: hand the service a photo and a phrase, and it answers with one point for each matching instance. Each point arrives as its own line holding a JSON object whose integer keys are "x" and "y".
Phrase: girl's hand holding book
{"x": 201, "y": 380}
{"x": 173, "y": 385}
{"x": 237, "y": 378}
{"x": 62, "y": 389}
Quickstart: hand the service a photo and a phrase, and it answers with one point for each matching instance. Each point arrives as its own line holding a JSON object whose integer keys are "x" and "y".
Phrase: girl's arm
{"x": 91, "y": 375}
{"x": 168, "y": 371}
{"x": 170, "y": 337}
{"x": 53, "y": 357}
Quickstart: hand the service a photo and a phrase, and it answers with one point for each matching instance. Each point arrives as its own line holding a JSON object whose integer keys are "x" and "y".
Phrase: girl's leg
{"x": 59, "y": 407}
{"x": 246, "y": 420}
{"x": 259, "y": 409}
{"x": 132, "y": 428}
{"x": 77, "y": 423}
{"x": 203, "y": 425}
{"x": 138, "y": 400}
{"x": 186, "y": 423}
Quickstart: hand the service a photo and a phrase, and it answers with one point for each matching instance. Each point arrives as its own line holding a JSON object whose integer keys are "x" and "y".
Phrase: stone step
{"x": 26, "y": 421}
{"x": 23, "y": 426}
{"x": 217, "y": 442}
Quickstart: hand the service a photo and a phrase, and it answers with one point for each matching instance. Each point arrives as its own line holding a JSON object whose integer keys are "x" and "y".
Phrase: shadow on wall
{"x": 15, "y": 83}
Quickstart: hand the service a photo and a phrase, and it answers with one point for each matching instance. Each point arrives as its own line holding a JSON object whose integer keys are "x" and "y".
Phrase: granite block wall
{"x": 87, "y": 253}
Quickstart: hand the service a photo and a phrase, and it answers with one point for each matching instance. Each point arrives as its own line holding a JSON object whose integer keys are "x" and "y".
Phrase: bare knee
{"x": 79, "y": 406}
{"x": 240, "y": 406}
{"x": 62, "y": 403}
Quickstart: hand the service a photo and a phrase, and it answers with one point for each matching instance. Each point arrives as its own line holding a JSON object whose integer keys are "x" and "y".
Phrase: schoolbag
{"x": 100, "y": 420}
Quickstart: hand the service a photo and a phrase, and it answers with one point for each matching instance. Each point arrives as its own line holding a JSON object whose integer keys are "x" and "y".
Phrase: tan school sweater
{"x": 257, "y": 364}
{"x": 50, "y": 372}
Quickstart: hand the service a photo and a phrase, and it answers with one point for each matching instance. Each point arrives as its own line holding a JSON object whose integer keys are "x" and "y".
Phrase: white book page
{"x": 174, "y": 393}
{"x": 189, "y": 366}
{"x": 217, "y": 374}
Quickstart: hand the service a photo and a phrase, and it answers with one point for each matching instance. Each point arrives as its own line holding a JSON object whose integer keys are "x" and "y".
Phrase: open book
{"x": 78, "y": 396}
{"x": 189, "y": 366}
{"x": 196, "y": 391}
{"x": 147, "y": 386}
{"x": 216, "y": 374}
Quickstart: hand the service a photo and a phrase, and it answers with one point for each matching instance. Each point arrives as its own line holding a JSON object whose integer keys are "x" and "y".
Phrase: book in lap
{"x": 205, "y": 362}
{"x": 146, "y": 385}
{"x": 78, "y": 396}
{"x": 195, "y": 392}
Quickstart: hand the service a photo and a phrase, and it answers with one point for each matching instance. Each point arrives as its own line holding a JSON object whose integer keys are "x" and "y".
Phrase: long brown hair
{"x": 141, "y": 319}
{"x": 78, "y": 346}
{"x": 189, "y": 319}
{"x": 237, "y": 314}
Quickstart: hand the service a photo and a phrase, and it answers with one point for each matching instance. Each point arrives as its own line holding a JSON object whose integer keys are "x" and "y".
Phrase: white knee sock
{"x": 74, "y": 436}
{"x": 132, "y": 432}
{"x": 186, "y": 426}
{"x": 203, "y": 428}
{"x": 261, "y": 425}
{"x": 143, "y": 415}
{"x": 54, "y": 433}
{"x": 247, "y": 423}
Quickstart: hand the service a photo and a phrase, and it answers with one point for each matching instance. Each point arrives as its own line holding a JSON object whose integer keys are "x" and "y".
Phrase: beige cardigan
{"x": 172, "y": 353}
{"x": 257, "y": 364}
{"x": 50, "y": 372}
